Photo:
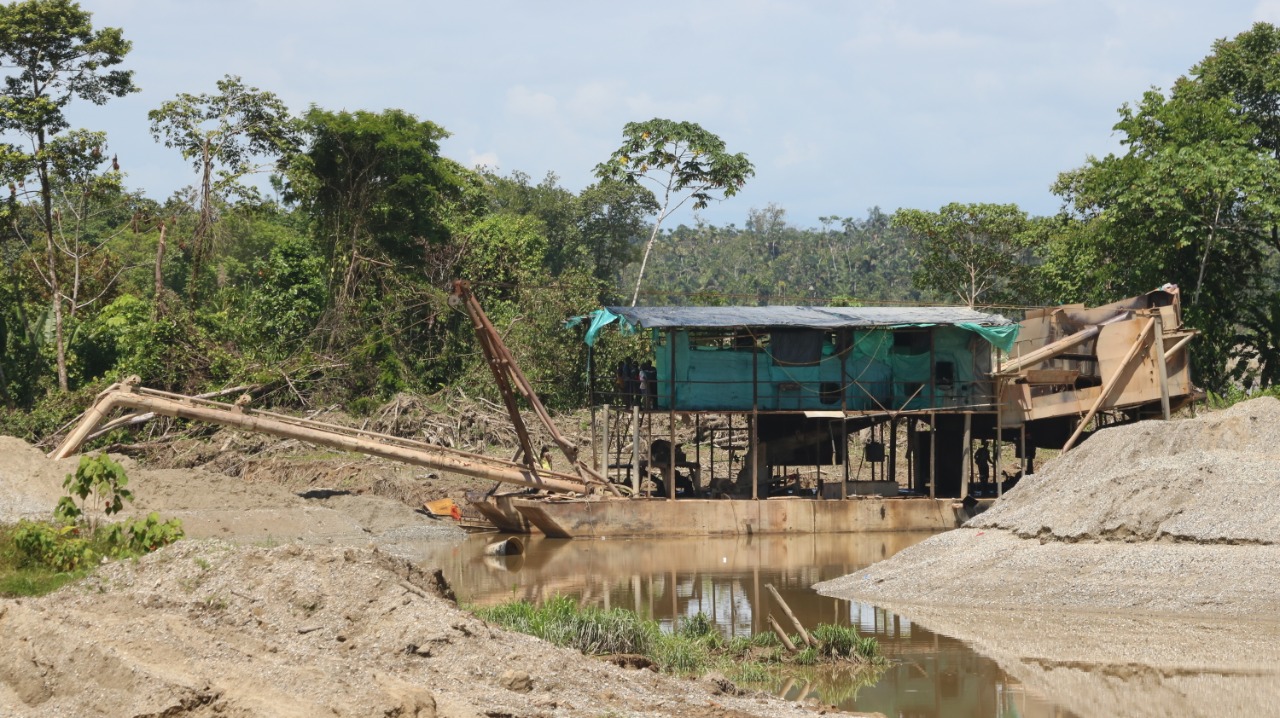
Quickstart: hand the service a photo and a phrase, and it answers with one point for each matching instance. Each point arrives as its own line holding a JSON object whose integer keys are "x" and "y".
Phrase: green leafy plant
{"x": 100, "y": 477}
{"x": 139, "y": 536}
{"x": 52, "y": 546}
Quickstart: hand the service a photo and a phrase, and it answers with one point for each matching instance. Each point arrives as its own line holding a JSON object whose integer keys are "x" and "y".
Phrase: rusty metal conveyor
{"x": 408, "y": 451}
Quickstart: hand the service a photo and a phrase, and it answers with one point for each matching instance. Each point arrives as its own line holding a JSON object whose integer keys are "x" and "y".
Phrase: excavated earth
{"x": 1135, "y": 575}
{"x": 288, "y": 603}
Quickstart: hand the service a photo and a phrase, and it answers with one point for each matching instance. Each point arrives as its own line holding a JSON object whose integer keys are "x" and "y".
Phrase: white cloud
{"x": 483, "y": 159}
{"x": 797, "y": 151}
{"x": 1267, "y": 11}
{"x": 527, "y": 103}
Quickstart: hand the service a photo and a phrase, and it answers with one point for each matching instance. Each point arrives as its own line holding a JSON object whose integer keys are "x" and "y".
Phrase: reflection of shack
{"x": 787, "y": 386}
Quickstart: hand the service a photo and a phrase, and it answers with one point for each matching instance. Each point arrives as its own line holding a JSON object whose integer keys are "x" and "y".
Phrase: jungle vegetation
{"x": 333, "y": 289}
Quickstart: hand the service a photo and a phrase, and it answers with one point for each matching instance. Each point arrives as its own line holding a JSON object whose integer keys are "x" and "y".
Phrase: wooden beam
{"x": 1162, "y": 370}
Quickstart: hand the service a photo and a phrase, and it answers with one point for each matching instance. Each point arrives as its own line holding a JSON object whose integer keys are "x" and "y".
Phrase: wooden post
{"x": 995, "y": 470}
{"x": 844, "y": 419}
{"x": 1162, "y": 369}
{"x": 635, "y": 450}
{"x": 968, "y": 455}
{"x": 911, "y": 451}
{"x": 1022, "y": 442}
{"x": 696, "y": 479}
{"x": 786, "y": 610}
{"x": 892, "y": 474}
{"x": 782, "y": 635}
{"x": 604, "y": 443}
{"x": 933, "y": 454}
{"x": 754, "y": 449}
{"x": 671, "y": 421}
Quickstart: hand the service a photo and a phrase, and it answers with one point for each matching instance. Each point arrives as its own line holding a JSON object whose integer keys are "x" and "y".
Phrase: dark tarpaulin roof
{"x": 807, "y": 317}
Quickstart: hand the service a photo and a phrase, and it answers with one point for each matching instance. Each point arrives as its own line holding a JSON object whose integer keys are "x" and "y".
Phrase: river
{"x": 726, "y": 578}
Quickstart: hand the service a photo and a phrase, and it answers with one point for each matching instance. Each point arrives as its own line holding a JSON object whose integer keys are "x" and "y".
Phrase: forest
{"x": 332, "y": 288}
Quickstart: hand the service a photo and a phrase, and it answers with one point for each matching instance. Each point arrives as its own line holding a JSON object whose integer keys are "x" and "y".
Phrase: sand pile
{"x": 209, "y": 628}
{"x": 1173, "y": 517}
{"x": 1211, "y": 479}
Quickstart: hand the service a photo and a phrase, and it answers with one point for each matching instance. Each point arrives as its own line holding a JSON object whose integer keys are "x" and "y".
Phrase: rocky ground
{"x": 289, "y": 599}
{"x": 1134, "y": 575}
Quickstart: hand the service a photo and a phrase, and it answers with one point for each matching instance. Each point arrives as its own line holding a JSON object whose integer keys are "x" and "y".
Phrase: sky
{"x": 841, "y": 106}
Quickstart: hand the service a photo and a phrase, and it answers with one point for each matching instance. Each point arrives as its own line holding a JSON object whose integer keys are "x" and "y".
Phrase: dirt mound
{"x": 208, "y": 628}
{"x": 1210, "y": 479}
{"x": 214, "y": 505}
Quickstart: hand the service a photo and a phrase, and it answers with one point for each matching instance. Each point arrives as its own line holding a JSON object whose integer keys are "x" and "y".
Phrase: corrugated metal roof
{"x": 809, "y": 317}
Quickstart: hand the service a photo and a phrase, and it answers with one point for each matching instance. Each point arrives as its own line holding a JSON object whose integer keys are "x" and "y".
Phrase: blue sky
{"x": 841, "y": 105}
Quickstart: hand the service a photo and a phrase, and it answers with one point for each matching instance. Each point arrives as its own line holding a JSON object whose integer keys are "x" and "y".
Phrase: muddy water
{"x": 726, "y": 578}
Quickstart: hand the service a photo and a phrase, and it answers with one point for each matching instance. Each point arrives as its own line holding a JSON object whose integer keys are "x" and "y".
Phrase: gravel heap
{"x": 1212, "y": 479}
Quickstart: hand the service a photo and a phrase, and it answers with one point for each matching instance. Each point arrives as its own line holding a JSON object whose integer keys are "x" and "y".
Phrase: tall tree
{"x": 612, "y": 216}
{"x": 377, "y": 189}
{"x": 970, "y": 251}
{"x": 683, "y": 161}
{"x": 224, "y": 132}
{"x": 52, "y": 55}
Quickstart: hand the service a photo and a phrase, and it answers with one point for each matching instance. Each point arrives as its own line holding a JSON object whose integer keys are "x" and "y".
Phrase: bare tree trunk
{"x": 648, "y": 247}
{"x": 51, "y": 256}
{"x": 158, "y": 303}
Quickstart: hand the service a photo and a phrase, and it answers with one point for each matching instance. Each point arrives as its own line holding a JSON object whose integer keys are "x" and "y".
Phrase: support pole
{"x": 696, "y": 479}
{"x": 968, "y": 455}
{"x": 754, "y": 451}
{"x": 786, "y": 610}
{"x": 782, "y": 635}
{"x": 1022, "y": 442}
{"x": 595, "y": 453}
{"x": 995, "y": 470}
{"x": 635, "y": 450}
{"x": 604, "y": 441}
{"x": 671, "y": 420}
{"x": 1162, "y": 369}
{"x": 933, "y": 455}
{"x": 892, "y": 474}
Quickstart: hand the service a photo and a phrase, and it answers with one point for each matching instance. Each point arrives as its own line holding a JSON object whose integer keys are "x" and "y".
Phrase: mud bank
{"x": 1132, "y": 576}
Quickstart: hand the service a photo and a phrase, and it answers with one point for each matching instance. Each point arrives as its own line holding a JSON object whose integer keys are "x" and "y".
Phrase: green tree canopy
{"x": 225, "y": 132}
{"x": 684, "y": 162}
{"x": 974, "y": 252}
{"x": 52, "y": 55}
{"x": 1192, "y": 200}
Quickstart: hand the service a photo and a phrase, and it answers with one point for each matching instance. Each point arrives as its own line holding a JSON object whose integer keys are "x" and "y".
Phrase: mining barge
{"x": 748, "y": 420}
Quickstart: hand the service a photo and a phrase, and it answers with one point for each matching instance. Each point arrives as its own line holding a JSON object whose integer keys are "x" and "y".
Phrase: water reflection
{"x": 726, "y": 578}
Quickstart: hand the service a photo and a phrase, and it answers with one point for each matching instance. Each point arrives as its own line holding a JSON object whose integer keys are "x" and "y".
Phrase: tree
{"x": 226, "y": 132}
{"x": 684, "y": 161}
{"x": 376, "y": 188}
{"x": 972, "y": 251}
{"x": 53, "y": 55}
{"x": 612, "y": 218}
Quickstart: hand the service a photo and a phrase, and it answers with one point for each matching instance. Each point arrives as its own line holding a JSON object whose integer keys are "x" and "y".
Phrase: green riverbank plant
{"x": 696, "y": 647}
{"x": 37, "y": 557}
